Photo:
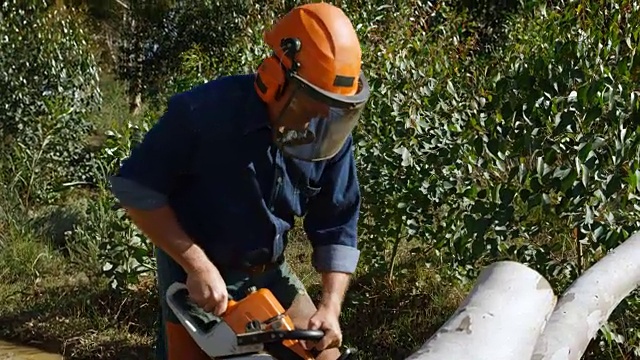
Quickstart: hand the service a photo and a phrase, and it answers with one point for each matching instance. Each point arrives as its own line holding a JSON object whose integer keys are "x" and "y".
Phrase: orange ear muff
{"x": 270, "y": 79}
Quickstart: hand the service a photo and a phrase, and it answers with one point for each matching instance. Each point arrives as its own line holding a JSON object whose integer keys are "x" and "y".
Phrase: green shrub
{"x": 119, "y": 250}
{"x": 48, "y": 85}
{"x": 482, "y": 156}
{"x": 158, "y": 33}
{"x": 107, "y": 238}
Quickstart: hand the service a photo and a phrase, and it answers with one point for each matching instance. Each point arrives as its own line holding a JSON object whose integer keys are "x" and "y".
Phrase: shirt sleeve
{"x": 332, "y": 217}
{"x": 148, "y": 175}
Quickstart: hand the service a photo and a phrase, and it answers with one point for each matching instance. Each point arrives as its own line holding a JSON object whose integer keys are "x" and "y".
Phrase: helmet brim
{"x": 339, "y": 100}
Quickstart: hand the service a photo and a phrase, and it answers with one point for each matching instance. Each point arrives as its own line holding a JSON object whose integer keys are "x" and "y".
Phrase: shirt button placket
{"x": 277, "y": 245}
{"x": 277, "y": 241}
{"x": 276, "y": 192}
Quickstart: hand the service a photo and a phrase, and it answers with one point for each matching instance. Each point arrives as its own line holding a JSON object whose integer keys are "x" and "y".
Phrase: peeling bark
{"x": 500, "y": 319}
{"x": 587, "y": 304}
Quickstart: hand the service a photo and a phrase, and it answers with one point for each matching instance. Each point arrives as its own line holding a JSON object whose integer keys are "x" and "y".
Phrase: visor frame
{"x": 332, "y": 99}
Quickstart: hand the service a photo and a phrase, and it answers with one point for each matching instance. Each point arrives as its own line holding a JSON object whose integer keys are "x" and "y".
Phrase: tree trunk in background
{"x": 135, "y": 104}
{"x": 136, "y": 58}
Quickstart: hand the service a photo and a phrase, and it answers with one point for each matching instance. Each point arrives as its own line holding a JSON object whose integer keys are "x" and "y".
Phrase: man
{"x": 217, "y": 182}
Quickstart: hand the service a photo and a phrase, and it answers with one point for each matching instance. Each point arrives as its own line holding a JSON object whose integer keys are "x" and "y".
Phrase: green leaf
{"x": 540, "y": 166}
{"x": 588, "y": 219}
{"x": 593, "y": 114}
{"x": 613, "y": 185}
{"x": 565, "y": 119}
{"x": 478, "y": 248}
{"x": 568, "y": 178}
{"x": 560, "y": 173}
{"x": 478, "y": 145}
{"x": 632, "y": 180}
{"x": 471, "y": 192}
{"x": 534, "y": 201}
{"x": 550, "y": 155}
{"x": 450, "y": 88}
{"x": 506, "y": 196}
{"x": 585, "y": 175}
{"x": 479, "y": 208}
{"x": 525, "y": 194}
{"x": 535, "y": 184}
{"x": 493, "y": 146}
{"x": 584, "y": 150}
{"x": 482, "y": 194}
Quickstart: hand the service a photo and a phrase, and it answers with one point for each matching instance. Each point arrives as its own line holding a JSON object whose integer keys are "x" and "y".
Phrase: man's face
{"x": 301, "y": 112}
{"x": 311, "y": 127}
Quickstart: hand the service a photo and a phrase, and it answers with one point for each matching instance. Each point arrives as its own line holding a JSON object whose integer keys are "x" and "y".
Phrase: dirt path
{"x": 10, "y": 351}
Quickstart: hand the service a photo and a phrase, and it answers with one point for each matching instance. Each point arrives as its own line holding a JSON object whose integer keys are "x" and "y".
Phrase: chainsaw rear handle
{"x": 177, "y": 297}
{"x": 181, "y": 287}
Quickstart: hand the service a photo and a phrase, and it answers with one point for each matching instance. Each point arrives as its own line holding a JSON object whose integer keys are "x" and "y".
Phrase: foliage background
{"x": 496, "y": 130}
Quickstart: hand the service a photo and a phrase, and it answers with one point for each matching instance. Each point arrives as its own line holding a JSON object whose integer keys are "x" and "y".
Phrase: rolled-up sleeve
{"x": 148, "y": 175}
{"x": 332, "y": 218}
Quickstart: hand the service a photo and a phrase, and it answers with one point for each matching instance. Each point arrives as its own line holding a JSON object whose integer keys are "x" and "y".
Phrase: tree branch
{"x": 123, "y": 4}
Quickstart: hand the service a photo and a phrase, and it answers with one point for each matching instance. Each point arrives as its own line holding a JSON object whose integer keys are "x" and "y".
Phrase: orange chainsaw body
{"x": 260, "y": 310}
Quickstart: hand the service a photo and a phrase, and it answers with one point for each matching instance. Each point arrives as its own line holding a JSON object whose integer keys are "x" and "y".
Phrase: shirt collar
{"x": 256, "y": 112}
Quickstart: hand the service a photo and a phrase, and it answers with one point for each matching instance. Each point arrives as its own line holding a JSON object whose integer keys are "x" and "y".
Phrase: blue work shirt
{"x": 211, "y": 157}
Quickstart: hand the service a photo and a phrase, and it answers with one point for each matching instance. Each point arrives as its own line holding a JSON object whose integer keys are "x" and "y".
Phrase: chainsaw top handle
{"x": 300, "y": 334}
{"x": 272, "y": 336}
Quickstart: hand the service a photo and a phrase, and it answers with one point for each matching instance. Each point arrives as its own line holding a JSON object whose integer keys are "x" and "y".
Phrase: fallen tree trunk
{"x": 500, "y": 319}
{"x": 587, "y": 304}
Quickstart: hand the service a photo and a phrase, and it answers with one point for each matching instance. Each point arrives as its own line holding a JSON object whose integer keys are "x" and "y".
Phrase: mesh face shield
{"x": 314, "y": 124}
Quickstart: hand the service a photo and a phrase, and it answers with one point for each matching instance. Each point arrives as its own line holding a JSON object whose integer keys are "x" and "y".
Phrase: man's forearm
{"x": 162, "y": 228}
{"x": 334, "y": 288}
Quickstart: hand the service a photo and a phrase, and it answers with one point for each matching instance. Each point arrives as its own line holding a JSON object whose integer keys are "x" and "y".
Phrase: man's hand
{"x": 207, "y": 289}
{"x": 327, "y": 319}
{"x": 204, "y": 282}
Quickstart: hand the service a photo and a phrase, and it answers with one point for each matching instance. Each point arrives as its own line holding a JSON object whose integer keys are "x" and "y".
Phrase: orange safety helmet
{"x": 317, "y": 59}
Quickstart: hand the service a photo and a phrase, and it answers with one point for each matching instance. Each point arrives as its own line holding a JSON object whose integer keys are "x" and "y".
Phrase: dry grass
{"x": 79, "y": 317}
{"x": 58, "y": 308}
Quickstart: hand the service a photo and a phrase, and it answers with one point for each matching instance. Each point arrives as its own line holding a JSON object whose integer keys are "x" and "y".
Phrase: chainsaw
{"x": 253, "y": 328}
